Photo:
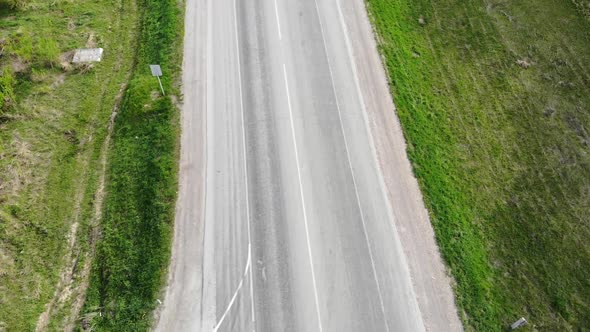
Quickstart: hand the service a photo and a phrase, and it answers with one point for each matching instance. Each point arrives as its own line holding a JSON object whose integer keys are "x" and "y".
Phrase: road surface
{"x": 297, "y": 207}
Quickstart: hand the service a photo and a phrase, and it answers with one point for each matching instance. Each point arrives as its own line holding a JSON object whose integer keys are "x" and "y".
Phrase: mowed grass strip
{"x": 494, "y": 99}
{"x": 133, "y": 252}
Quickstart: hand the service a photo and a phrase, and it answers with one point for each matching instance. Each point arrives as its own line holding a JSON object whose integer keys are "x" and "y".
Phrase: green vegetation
{"x": 7, "y": 83}
{"x": 53, "y": 121}
{"x": 494, "y": 100}
{"x": 132, "y": 256}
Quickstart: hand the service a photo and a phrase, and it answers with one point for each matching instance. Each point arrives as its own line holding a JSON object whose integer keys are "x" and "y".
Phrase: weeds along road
{"x": 287, "y": 219}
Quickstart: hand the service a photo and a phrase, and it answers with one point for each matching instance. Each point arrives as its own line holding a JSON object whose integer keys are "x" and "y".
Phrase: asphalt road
{"x": 290, "y": 216}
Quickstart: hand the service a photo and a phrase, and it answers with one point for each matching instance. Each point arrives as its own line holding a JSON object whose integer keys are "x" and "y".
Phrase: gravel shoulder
{"x": 429, "y": 275}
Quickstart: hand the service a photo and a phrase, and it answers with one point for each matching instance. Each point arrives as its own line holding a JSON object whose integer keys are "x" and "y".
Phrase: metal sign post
{"x": 157, "y": 71}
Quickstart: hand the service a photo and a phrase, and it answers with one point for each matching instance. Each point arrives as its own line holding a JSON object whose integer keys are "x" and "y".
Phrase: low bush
{"x": 7, "y": 83}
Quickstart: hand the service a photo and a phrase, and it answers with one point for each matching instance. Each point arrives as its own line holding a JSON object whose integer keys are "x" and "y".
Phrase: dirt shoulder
{"x": 429, "y": 276}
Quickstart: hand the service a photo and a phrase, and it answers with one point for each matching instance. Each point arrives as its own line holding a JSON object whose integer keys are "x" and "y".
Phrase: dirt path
{"x": 73, "y": 282}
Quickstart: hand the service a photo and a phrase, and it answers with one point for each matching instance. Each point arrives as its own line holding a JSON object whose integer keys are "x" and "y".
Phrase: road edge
{"x": 429, "y": 275}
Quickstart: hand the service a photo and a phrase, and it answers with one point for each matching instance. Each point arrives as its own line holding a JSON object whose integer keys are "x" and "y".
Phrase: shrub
{"x": 46, "y": 51}
{"x": 14, "y": 4}
{"x": 7, "y": 83}
{"x": 21, "y": 44}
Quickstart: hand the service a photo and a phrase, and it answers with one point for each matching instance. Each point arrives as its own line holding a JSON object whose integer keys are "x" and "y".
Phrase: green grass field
{"x": 494, "y": 99}
{"x": 53, "y": 120}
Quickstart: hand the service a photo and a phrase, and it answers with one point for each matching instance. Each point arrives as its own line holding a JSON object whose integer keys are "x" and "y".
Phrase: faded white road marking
{"x": 351, "y": 168}
{"x": 233, "y": 298}
{"x": 245, "y": 161}
{"x": 315, "y": 291}
{"x": 278, "y": 20}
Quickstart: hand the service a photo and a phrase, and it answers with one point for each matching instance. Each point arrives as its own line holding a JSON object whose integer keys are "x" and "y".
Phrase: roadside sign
{"x": 157, "y": 71}
{"x": 519, "y": 323}
{"x": 87, "y": 55}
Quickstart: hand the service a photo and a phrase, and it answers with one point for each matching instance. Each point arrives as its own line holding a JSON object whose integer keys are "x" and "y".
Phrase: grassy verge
{"x": 133, "y": 252}
{"x": 53, "y": 119}
{"x": 493, "y": 98}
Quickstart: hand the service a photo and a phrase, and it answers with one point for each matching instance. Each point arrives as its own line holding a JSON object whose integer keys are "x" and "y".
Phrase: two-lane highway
{"x": 284, "y": 220}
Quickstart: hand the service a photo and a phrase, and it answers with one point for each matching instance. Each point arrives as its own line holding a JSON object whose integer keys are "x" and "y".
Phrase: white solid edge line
{"x": 373, "y": 149}
{"x": 352, "y": 170}
{"x": 278, "y": 20}
{"x": 317, "y": 305}
{"x": 233, "y": 298}
{"x": 245, "y": 160}
{"x": 208, "y": 303}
